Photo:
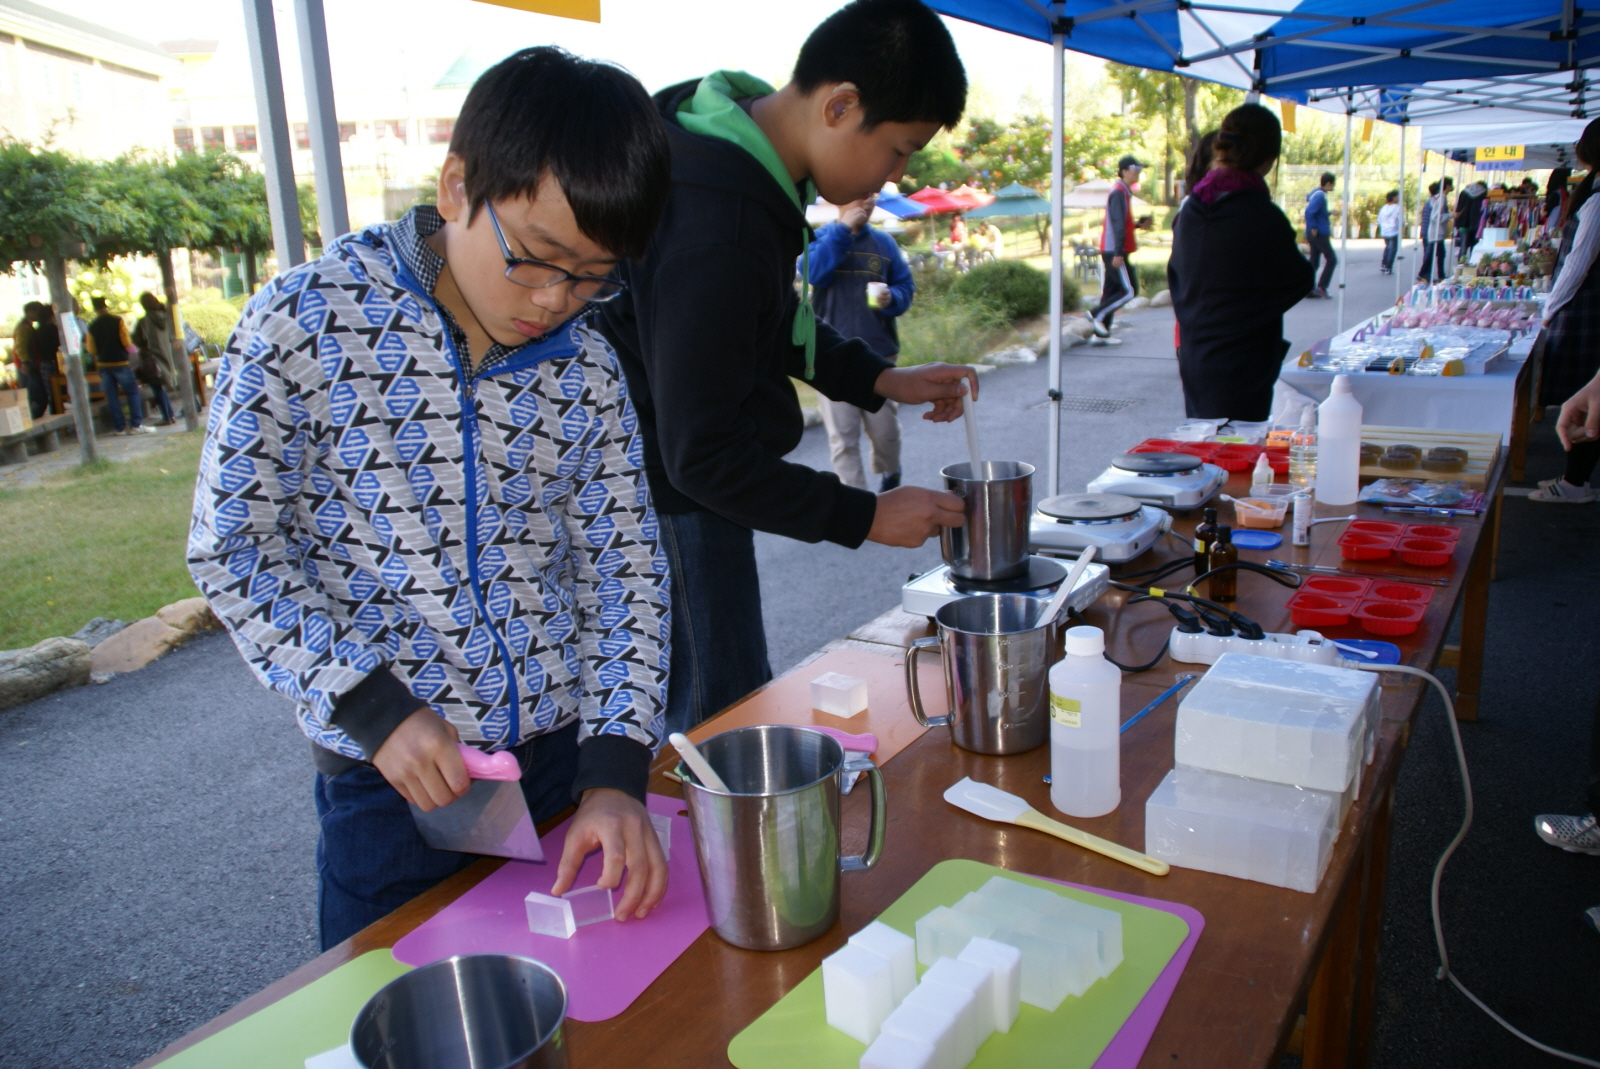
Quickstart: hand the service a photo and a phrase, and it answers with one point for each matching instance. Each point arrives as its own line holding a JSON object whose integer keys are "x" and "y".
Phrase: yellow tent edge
{"x": 584, "y": 10}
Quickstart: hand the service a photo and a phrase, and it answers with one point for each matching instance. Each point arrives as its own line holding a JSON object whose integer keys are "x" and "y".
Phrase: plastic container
{"x": 1339, "y": 445}
{"x": 1310, "y": 609}
{"x": 1085, "y": 727}
{"x": 1357, "y": 546}
{"x": 1422, "y": 530}
{"x": 1376, "y": 527}
{"x": 1303, "y": 452}
{"x": 1261, "y": 512}
{"x": 1404, "y": 593}
{"x": 1389, "y": 618}
{"x": 1262, "y": 474}
{"x": 1426, "y": 552}
{"x": 1338, "y": 586}
{"x": 1279, "y": 460}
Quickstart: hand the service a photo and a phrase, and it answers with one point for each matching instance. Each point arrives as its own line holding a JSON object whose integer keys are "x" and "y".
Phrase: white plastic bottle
{"x": 1261, "y": 477}
{"x": 1303, "y": 451}
{"x": 1085, "y": 723}
{"x": 1339, "y": 445}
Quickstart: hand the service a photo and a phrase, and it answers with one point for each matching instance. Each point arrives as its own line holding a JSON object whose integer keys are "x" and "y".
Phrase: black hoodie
{"x": 1235, "y": 269}
{"x": 703, "y": 334}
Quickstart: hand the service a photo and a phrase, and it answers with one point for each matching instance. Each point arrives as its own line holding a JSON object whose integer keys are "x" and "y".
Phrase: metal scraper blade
{"x": 492, "y": 818}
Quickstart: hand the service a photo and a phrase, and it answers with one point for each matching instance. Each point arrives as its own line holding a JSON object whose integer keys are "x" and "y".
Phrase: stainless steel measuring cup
{"x": 997, "y": 653}
{"x": 993, "y": 545}
{"x": 769, "y": 850}
{"x": 475, "y": 1011}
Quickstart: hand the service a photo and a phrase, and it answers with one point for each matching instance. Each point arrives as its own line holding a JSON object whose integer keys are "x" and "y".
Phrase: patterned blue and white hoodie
{"x": 378, "y": 527}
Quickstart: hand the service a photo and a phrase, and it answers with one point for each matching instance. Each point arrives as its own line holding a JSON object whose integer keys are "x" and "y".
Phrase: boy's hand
{"x": 1580, "y": 416}
{"x": 617, "y": 824}
{"x": 940, "y": 384}
{"x": 420, "y": 760}
{"x": 910, "y": 515}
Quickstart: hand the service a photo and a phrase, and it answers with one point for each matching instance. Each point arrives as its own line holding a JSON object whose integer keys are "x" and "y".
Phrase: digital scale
{"x": 1171, "y": 480}
{"x": 1118, "y": 527}
{"x": 926, "y": 594}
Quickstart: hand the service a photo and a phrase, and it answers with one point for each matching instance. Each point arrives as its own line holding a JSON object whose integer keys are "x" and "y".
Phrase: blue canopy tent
{"x": 1286, "y": 48}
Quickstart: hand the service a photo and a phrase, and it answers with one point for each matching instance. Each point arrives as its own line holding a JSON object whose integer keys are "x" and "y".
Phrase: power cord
{"x": 1074, "y": 614}
{"x": 1444, "y": 972}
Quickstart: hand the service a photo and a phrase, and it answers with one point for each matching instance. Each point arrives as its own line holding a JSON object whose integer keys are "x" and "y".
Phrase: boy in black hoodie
{"x": 710, "y": 329}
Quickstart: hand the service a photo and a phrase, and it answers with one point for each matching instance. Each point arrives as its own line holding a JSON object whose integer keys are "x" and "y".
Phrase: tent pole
{"x": 1058, "y": 46}
{"x": 333, "y": 218}
{"x": 1344, "y": 221}
{"x": 1422, "y": 198}
{"x": 1402, "y": 187}
{"x": 261, "y": 33}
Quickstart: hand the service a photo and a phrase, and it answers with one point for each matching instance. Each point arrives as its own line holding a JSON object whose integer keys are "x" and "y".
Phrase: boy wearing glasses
{"x": 422, "y": 512}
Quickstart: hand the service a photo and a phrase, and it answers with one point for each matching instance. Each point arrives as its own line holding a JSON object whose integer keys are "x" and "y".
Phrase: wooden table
{"x": 1267, "y": 954}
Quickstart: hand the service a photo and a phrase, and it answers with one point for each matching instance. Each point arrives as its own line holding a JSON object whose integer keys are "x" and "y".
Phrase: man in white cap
{"x": 1117, "y": 243}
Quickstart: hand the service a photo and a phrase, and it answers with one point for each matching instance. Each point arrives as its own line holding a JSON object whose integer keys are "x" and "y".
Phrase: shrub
{"x": 950, "y": 329}
{"x": 1152, "y": 278}
{"x": 212, "y": 319}
{"x": 1011, "y": 287}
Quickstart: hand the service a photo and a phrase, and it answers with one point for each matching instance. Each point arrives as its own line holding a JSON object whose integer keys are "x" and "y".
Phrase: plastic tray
{"x": 1401, "y": 593}
{"x": 1375, "y": 527}
{"x": 1310, "y": 609}
{"x": 1338, "y": 586}
{"x": 1356, "y": 545}
{"x": 1423, "y": 530}
{"x": 1389, "y": 618}
{"x": 1426, "y": 552}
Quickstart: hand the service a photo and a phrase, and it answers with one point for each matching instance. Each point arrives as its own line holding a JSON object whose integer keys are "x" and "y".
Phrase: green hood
{"x": 713, "y": 111}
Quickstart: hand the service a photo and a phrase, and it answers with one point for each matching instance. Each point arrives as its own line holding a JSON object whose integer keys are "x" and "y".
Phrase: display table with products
{"x": 1266, "y": 954}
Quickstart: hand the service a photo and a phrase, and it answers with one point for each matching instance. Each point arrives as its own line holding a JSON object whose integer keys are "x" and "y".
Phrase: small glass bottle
{"x": 1203, "y": 537}
{"x": 1224, "y": 588}
{"x": 1303, "y": 452}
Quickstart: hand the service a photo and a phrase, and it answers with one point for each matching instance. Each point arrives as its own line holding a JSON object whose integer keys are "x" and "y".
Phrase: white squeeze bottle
{"x": 1339, "y": 445}
{"x": 1085, "y": 727}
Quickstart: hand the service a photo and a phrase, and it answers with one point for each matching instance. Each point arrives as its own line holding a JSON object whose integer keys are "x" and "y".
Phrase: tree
{"x": 1179, "y": 104}
{"x": 52, "y": 209}
{"x": 933, "y": 166}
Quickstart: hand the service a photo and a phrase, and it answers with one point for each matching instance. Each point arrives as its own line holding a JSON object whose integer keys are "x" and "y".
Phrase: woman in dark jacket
{"x": 1235, "y": 270}
{"x": 156, "y": 368}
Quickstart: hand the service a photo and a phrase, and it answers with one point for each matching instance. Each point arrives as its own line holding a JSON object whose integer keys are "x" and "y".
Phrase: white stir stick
{"x": 697, "y": 764}
{"x": 969, "y": 416}
{"x": 1059, "y": 601}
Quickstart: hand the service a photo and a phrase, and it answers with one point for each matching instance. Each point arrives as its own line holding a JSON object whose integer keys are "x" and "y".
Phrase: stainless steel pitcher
{"x": 997, "y": 653}
{"x": 993, "y": 544}
{"x": 769, "y": 850}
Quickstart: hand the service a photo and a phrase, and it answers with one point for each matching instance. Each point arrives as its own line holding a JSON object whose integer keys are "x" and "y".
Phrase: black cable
{"x": 1073, "y": 613}
{"x": 1292, "y": 580}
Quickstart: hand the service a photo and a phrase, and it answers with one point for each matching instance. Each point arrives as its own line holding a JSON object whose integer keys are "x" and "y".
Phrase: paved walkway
{"x": 41, "y": 466}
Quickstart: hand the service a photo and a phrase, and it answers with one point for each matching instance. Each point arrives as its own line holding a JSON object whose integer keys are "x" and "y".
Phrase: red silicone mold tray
{"x": 1389, "y": 618}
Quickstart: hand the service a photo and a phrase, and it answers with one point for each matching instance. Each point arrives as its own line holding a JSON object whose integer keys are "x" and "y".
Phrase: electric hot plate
{"x": 1118, "y": 527}
{"x": 1171, "y": 480}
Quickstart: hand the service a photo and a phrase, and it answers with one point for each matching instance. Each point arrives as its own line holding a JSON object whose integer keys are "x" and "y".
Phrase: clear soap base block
{"x": 563, "y": 916}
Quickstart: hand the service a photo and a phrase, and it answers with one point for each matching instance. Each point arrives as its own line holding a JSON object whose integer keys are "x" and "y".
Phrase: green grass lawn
{"x": 107, "y": 542}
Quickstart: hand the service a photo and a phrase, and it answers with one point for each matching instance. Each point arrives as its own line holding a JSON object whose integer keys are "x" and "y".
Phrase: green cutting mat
{"x": 794, "y": 1034}
{"x": 311, "y": 1020}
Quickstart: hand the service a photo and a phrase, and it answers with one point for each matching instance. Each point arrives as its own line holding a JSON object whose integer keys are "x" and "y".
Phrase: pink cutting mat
{"x": 1128, "y": 1046}
{"x": 604, "y": 965}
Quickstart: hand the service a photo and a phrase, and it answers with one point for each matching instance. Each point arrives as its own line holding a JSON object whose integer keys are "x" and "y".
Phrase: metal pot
{"x": 477, "y": 1011}
{"x": 993, "y": 544}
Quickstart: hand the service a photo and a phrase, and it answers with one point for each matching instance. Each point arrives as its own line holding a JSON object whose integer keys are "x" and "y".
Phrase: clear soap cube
{"x": 1107, "y": 922}
{"x": 839, "y": 694}
{"x": 943, "y": 932}
{"x": 1047, "y": 975}
{"x": 857, "y": 991}
{"x": 562, "y": 917}
{"x": 895, "y": 947}
{"x": 1256, "y": 830}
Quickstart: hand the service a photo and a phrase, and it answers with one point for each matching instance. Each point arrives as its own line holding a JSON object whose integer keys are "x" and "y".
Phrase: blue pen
{"x": 1420, "y": 511}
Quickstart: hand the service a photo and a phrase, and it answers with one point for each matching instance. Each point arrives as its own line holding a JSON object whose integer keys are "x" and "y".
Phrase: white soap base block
{"x": 899, "y": 1052}
{"x": 957, "y": 1006}
{"x": 838, "y": 694}
{"x": 975, "y": 980}
{"x": 1005, "y": 978}
{"x": 857, "y": 991}
{"x": 562, "y": 917}
{"x": 925, "y": 1026}
{"x": 895, "y": 947}
{"x": 1251, "y": 829}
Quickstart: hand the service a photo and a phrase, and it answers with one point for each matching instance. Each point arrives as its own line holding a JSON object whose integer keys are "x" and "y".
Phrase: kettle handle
{"x": 913, "y": 691}
{"x": 880, "y": 814}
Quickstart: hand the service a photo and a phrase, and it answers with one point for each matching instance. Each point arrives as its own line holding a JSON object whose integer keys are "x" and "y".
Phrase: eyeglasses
{"x": 538, "y": 275}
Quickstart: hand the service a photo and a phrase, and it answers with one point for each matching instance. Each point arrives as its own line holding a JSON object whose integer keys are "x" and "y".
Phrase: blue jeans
{"x": 38, "y": 391}
{"x": 111, "y": 380}
{"x": 163, "y": 402}
{"x": 719, "y": 644}
{"x": 371, "y": 859}
{"x": 1390, "y": 247}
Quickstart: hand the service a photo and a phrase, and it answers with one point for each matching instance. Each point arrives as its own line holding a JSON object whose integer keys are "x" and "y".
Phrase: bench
{"x": 45, "y": 432}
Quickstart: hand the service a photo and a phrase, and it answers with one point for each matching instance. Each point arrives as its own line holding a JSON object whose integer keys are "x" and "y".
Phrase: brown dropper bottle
{"x": 1204, "y": 535}
{"x": 1224, "y": 587}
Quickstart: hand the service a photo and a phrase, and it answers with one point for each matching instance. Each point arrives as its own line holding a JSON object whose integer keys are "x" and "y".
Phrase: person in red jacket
{"x": 1117, "y": 243}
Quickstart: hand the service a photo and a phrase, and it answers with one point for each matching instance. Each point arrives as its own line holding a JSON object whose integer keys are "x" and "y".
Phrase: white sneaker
{"x": 142, "y": 429}
{"x": 1105, "y": 341}
{"x": 1099, "y": 328}
{"x": 1575, "y": 835}
{"x": 1563, "y": 493}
